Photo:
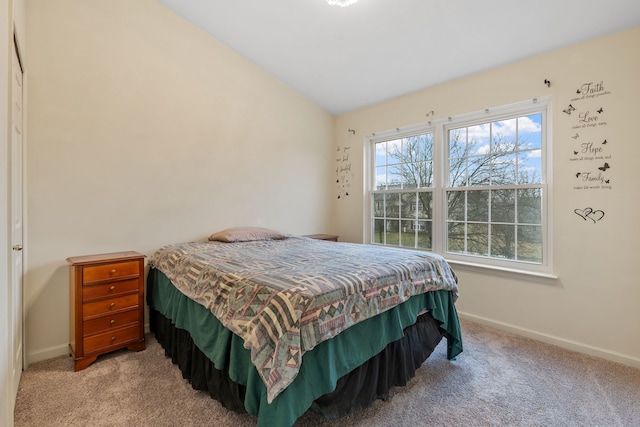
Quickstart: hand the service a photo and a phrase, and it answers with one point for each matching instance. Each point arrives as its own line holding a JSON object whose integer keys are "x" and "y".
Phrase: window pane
{"x": 378, "y": 231}
{"x": 530, "y": 167}
{"x": 392, "y": 232}
{"x": 458, "y": 142}
{"x": 479, "y": 140}
{"x": 425, "y": 147}
{"x": 381, "y": 153}
{"x": 392, "y": 205}
{"x": 425, "y": 205}
{"x": 503, "y": 206}
{"x": 455, "y": 236}
{"x": 530, "y": 243}
{"x": 458, "y": 172}
{"x": 381, "y": 178}
{"x": 478, "y": 239}
{"x": 456, "y": 205}
{"x": 504, "y": 136}
{"x": 530, "y": 131}
{"x": 410, "y": 175}
{"x": 394, "y": 177}
{"x": 394, "y": 151}
{"x": 478, "y": 205}
{"x": 408, "y": 205}
{"x": 426, "y": 174}
{"x": 479, "y": 170}
{"x": 424, "y": 234}
{"x": 378, "y": 205}
{"x": 503, "y": 241}
{"x": 408, "y": 234}
{"x": 503, "y": 169}
{"x": 530, "y": 206}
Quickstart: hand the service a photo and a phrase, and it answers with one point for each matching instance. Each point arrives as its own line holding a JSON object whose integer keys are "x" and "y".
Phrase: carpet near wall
{"x": 500, "y": 379}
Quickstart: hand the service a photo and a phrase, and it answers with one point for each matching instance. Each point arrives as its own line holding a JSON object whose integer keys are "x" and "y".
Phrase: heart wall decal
{"x": 594, "y": 215}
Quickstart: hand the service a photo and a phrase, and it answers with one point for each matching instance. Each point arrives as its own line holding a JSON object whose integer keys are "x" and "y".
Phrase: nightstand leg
{"x": 84, "y": 362}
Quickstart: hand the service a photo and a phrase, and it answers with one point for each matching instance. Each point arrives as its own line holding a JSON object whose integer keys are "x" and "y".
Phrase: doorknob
{"x": 17, "y": 248}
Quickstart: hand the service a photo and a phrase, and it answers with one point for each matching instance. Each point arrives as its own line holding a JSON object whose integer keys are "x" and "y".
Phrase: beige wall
{"x": 144, "y": 131}
{"x": 594, "y": 306}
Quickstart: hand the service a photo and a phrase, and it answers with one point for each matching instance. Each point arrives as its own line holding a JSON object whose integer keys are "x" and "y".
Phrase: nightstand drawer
{"x": 111, "y": 338}
{"x": 116, "y": 270}
{"x": 110, "y": 322}
{"x": 109, "y": 289}
{"x": 109, "y": 305}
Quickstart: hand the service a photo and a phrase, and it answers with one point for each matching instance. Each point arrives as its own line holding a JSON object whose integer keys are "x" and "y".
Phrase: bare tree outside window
{"x": 403, "y": 207}
{"x": 493, "y": 190}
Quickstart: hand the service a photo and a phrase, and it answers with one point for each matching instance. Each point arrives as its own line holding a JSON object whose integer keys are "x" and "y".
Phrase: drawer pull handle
{"x": 113, "y": 304}
{"x": 113, "y": 271}
{"x": 113, "y": 321}
{"x": 112, "y": 288}
{"x": 113, "y": 338}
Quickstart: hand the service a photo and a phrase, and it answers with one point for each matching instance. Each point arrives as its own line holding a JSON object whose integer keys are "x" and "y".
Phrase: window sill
{"x": 547, "y": 278}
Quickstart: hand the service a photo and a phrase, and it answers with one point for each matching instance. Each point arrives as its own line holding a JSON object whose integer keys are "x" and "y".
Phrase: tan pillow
{"x": 246, "y": 234}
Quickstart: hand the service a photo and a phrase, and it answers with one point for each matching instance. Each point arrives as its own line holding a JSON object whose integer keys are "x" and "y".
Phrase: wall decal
{"x": 343, "y": 171}
{"x": 590, "y": 214}
{"x": 586, "y": 113}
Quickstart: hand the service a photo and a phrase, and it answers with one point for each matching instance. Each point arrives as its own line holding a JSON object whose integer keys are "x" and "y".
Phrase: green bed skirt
{"x": 321, "y": 367}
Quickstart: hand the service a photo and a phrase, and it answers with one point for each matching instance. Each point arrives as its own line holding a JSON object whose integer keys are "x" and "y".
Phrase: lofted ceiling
{"x": 344, "y": 58}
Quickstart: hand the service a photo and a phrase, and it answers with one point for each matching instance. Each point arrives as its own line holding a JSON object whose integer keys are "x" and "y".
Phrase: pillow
{"x": 246, "y": 234}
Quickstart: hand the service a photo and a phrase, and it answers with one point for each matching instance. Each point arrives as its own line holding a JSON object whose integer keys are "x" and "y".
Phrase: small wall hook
{"x": 547, "y": 82}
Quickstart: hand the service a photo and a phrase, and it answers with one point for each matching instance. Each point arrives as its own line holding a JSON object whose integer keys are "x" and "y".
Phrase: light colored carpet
{"x": 500, "y": 379}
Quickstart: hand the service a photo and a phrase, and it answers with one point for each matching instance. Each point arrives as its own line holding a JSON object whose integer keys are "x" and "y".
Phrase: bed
{"x": 275, "y": 324}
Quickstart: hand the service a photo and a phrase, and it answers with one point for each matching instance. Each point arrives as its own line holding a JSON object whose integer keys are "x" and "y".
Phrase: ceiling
{"x": 344, "y": 58}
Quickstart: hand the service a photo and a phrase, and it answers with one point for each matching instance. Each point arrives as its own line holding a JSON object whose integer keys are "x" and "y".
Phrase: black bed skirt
{"x": 395, "y": 365}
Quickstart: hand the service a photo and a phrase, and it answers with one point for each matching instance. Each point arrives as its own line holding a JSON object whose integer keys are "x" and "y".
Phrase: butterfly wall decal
{"x": 576, "y": 136}
{"x": 604, "y": 167}
{"x": 569, "y": 109}
{"x": 604, "y": 142}
{"x": 578, "y": 174}
{"x": 575, "y": 153}
{"x": 600, "y": 110}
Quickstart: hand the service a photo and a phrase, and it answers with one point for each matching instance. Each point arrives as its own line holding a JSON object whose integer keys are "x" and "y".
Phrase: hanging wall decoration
{"x": 588, "y": 148}
{"x": 343, "y": 170}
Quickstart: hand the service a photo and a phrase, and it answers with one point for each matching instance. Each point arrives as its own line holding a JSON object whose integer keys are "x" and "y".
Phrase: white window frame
{"x": 440, "y": 130}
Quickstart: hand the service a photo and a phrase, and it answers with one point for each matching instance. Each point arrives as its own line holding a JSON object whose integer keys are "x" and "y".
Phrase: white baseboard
{"x": 550, "y": 339}
{"x": 47, "y": 353}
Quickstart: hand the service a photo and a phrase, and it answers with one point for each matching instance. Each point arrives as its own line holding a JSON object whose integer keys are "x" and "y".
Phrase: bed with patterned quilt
{"x": 275, "y": 325}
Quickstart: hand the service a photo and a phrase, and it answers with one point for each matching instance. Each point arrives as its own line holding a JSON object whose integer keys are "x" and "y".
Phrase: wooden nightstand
{"x": 329, "y": 237}
{"x": 106, "y": 302}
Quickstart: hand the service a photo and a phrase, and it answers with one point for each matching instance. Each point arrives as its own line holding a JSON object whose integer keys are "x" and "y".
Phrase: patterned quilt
{"x": 283, "y": 297}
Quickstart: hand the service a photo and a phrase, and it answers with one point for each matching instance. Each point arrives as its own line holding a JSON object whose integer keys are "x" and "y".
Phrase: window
{"x": 403, "y": 194}
{"x": 473, "y": 188}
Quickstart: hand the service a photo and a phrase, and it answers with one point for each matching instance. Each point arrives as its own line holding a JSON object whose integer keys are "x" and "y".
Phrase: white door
{"x": 16, "y": 223}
